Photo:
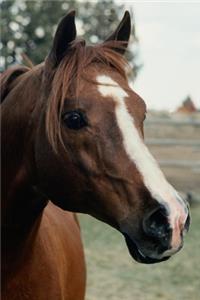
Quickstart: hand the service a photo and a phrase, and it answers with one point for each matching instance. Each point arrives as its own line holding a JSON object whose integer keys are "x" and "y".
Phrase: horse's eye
{"x": 75, "y": 119}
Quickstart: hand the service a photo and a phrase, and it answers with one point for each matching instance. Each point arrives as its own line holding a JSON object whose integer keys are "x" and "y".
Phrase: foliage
{"x": 28, "y": 26}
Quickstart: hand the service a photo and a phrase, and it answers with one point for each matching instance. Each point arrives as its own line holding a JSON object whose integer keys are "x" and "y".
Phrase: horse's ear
{"x": 122, "y": 32}
{"x": 8, "y": 77}
{"x": 65, "y": 34}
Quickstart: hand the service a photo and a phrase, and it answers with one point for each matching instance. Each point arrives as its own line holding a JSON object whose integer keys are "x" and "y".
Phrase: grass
{"x": 114, "y": 275}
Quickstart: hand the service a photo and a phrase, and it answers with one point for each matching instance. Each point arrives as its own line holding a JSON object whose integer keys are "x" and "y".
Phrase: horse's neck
{"x": 21, "y": 202}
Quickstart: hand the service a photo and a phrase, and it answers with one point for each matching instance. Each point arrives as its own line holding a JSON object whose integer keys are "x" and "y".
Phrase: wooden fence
{"x": 176, "y": 146}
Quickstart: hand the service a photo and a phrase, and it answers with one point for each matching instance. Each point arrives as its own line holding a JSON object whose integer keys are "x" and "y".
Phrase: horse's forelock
{"x": 67, "y": 76}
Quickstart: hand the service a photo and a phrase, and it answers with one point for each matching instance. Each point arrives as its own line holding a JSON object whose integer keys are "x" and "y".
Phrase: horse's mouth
{"x": 138, "y": 255}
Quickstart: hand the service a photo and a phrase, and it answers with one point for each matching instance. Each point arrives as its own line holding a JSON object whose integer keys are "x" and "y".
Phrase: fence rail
{"x": 173, "y": 122}
{"x": 195, "y": 165}
{"x": 172, "y": 142}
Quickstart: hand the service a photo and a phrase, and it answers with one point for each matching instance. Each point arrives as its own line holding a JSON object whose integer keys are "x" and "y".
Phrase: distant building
{"x": 187, "y": 107}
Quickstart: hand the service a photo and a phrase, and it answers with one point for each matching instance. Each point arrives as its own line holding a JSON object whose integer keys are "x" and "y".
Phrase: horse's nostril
{"x": 187, "y": 223}
{"x": 156, "y": 224}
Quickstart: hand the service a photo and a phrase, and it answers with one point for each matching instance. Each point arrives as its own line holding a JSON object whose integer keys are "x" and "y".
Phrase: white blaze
{"x": 137, "y": 151}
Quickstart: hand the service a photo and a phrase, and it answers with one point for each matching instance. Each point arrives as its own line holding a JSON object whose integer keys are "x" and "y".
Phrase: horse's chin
{"x": 138, "y": 255}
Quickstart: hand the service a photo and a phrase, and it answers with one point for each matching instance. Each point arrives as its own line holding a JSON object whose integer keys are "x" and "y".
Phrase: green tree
{"x": 28, "y": 26}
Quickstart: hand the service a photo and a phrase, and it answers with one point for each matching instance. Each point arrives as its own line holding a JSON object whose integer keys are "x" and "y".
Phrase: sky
{"x": 169, "y": 49}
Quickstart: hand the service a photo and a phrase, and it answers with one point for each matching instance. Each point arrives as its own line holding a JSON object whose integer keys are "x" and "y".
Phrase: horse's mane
{"x": 8, "y": 77}
{"x": 67, "y": 76}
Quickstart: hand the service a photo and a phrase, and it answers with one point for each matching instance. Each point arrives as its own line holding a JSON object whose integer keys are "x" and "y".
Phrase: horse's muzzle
{"x": 155, "y": 240}
{"x": 138, "y": 255}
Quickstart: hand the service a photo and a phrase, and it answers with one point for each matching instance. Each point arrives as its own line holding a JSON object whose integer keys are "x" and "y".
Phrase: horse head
{"x": 89, "y": 149}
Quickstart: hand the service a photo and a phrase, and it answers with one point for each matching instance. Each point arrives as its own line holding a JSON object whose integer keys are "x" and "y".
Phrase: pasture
{"x": 112, "y": 273}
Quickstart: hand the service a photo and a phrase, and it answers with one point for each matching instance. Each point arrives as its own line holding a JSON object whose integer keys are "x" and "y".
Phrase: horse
{"x": 73, "y": 142}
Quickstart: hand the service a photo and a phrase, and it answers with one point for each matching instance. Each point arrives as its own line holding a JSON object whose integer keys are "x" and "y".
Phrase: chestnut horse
{"x": 72, "y": 132}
